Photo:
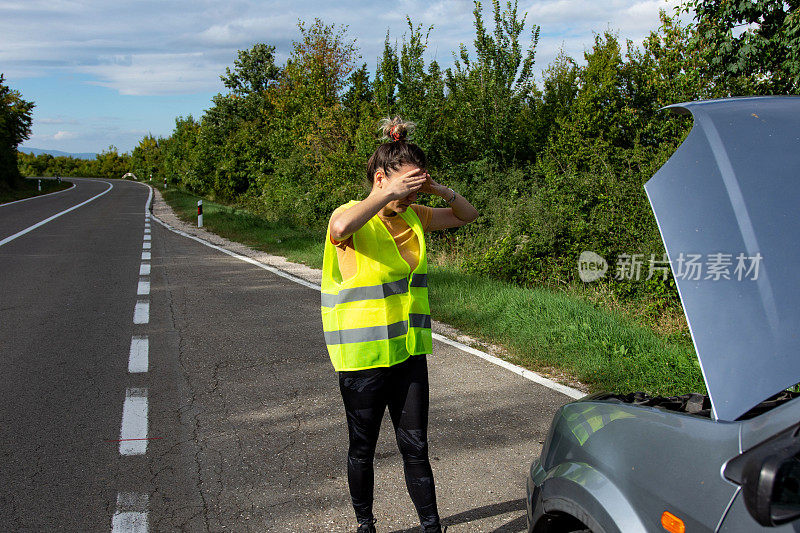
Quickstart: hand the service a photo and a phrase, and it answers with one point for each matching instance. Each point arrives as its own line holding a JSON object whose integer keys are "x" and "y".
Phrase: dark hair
{"x": 392, "y": 155}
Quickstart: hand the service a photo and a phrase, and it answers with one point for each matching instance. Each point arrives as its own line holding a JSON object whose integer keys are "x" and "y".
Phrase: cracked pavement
{"x": 241, "y": 393}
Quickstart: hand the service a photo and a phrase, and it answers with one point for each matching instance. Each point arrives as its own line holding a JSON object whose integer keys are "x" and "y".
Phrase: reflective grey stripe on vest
{"x": 419, "y": 280}
{"x": 373, "y": 333}
{"x": 372, "y": 292}
{"x": 419, "y": 321}
{"x": 377, "y": 333}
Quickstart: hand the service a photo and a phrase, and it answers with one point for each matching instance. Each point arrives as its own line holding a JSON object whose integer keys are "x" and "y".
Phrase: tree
{"x": 488, "y": 94}
{"x": 15, "y": 126}
{"x": 253, "y": 71}
{"x": 146, "y": 159}
{"x": 386, "y": 76}
{"x": 752, "y": 46}
{"x": 321, "y": 62}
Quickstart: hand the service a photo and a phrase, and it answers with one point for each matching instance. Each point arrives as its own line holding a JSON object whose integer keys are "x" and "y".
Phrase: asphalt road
{"x": 244, "y": 422}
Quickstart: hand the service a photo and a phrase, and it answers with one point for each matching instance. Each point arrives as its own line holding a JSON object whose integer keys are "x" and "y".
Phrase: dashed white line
{"x": 133, "y": 435}
{"x": 145, "y": 256}
{"x": 45, "y": 221}
{"x": 139, "y": 359}
{"x": 144, "y": 269}
{"x": 141, "y": 313}
{"x": 131, "y": 514}
{"x": 143, "y": 289}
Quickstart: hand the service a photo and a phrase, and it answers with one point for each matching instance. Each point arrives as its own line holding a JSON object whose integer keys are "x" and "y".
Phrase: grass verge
{"x": 543, "y": 330}
{"x": 29, "y": 188}
{"x": 557, "y": 333}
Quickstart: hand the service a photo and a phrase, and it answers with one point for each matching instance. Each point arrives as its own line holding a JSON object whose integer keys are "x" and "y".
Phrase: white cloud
{"x": 56, "y": 120}
{"x": 64, "y": 135}
{"x": 58, "y": 136}
{"x": 145, "y": 74}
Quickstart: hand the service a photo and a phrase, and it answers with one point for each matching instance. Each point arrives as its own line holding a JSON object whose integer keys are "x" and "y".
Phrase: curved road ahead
{"x": 151, "y": 383}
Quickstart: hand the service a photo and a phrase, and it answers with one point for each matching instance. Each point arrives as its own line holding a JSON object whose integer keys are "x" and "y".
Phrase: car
{"x": 728, "y": 461}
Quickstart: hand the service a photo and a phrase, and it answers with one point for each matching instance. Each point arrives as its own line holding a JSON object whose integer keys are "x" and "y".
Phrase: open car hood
{"x": 730, "y": 194}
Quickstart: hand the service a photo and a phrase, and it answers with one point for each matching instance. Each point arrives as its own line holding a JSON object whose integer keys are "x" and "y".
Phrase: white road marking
{"x": 275, "y": 271}
{"x": 139, "y": 359}
{"x": 144, "y": 269}
{"x": 45, "y": 221}
{"x": 145, "y": 256}
{"x": 40, "y": 196}
{"x": 131, "y": 514}
{"x": 145, "y": 246}
{"x": 147, "y": 236}
{"x": 147, "y": 231}
{"x": 133, "y": 435}
{"x": 141, "y": 313}
{"x": 143, "y": 289}
{"x": 523, "y": 372}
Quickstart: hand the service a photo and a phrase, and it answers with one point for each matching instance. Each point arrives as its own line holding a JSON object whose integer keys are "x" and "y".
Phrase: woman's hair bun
{"x": 396, "y": 129}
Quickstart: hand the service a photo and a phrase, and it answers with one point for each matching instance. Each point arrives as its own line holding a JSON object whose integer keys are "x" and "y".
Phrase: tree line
{"x": 555, "y": 168}
{"x": 108, "y": 164}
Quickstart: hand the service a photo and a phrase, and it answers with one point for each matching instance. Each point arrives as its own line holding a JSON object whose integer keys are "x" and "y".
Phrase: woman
{"x": 376, "y": 316}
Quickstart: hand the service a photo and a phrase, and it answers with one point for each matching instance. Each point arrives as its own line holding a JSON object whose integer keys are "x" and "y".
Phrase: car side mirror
{"x": 771, "y": 489}
{"x": 769, "y": 474}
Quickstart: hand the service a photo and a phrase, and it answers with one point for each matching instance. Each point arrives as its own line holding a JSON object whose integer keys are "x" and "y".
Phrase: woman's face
{"x": 400, "y": 205}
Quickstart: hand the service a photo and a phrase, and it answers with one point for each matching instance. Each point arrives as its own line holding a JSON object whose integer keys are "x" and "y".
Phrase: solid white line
{"x": 144, "y": 269}
{"x": 139, "y": 359}
{"x": 145, "y": 246}
{"x": 145, "y": 256}
{"x": 131, "y": 513}
{"x": 45, "y": 221}
{"x": 134, "y": 423}
{"x": 141, "y": 313}
{"x": 143, "y": 289}
{"x": 40, "y": 196}
{"x": 524, "y": 372}
{"x": 275, "y": 271}
{"x": 147, "y": 203}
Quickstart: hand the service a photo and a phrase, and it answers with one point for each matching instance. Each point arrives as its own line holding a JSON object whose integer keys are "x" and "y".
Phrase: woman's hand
{"x": 430, "y": 186}
{"x": 402, "y": 185}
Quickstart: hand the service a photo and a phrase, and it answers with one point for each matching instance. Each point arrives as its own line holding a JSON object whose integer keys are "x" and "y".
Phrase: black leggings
{"x": 366, "y": 393}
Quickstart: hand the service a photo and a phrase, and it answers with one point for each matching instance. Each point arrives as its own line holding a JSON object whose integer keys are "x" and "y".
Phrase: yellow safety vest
{"x": 380, "y": 316}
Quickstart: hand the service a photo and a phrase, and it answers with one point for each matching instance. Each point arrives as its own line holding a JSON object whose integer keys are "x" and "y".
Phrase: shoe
{"x": 367, "y": 527}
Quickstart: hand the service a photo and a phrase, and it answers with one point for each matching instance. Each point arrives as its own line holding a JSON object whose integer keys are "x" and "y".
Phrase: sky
{"x": 108, "y": 73}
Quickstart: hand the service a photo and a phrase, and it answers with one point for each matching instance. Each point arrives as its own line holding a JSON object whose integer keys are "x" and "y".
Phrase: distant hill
{"x": 56, "y": 153}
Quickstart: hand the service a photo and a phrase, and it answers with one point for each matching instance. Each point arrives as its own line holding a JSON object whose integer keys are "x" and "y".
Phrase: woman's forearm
{"x": 350, "y": 220}
{"x": 461, "y": 207}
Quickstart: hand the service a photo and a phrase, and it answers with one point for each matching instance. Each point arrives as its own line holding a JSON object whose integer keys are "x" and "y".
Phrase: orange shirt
{"x": 404, "y": 236}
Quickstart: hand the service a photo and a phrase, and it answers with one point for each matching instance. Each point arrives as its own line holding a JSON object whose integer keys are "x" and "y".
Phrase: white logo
{"x": 591, "y": 266}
